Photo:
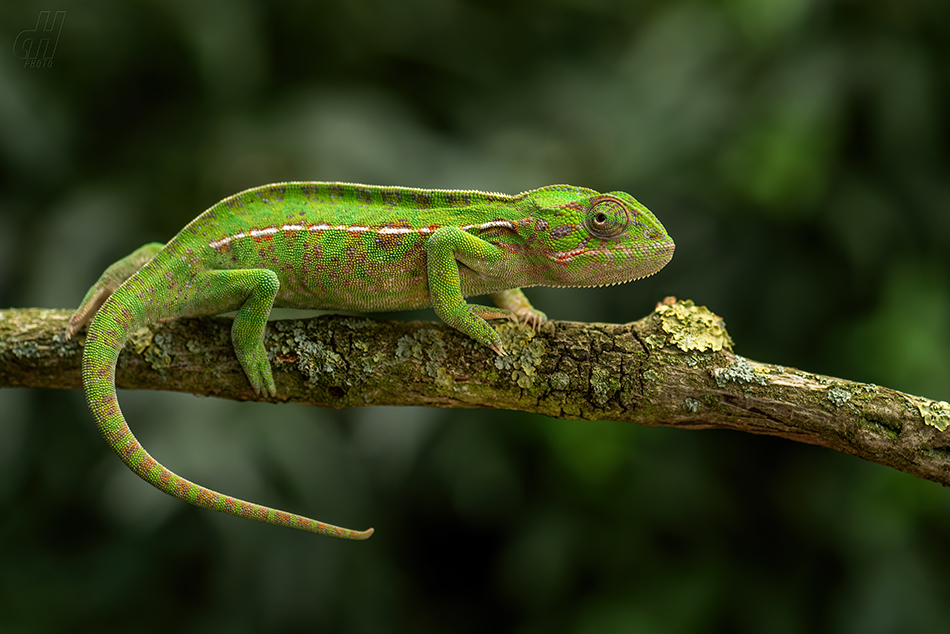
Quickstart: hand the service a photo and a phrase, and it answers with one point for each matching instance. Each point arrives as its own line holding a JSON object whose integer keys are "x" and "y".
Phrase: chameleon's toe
{"x": 76, "y": 323}
{"x": 491, "y": 312}
{"x": 265, "y": 381}
{"x": 530, "y": 316}
{"x": 492, "y": 340}
{"x": 470, "y": 320}
{"x": 259, "y": 374}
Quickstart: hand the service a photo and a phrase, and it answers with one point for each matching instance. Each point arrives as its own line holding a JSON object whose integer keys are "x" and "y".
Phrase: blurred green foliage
{"x": 797, "y": 151}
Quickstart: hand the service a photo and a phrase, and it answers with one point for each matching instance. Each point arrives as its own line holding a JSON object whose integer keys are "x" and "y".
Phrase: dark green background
{"x": 797, "y": 151}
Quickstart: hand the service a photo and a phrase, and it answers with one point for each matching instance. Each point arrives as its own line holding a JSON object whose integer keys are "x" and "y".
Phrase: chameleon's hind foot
{"x": 515, "y": 301}
{"x": 257, "y": 368}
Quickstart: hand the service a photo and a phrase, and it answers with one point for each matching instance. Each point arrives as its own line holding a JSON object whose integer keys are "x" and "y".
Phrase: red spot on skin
{"x": 577, "y": 206}
{"x": 110, "y": 407}
{"x": 388, "y": 241}
{"x": 146, "y": 465}
{"x": 128, "y": 450}
{"x": 206, "y": 497}
{"x": 291, "y": 237}
{"x": 262, "y": 238}
{"x": 121, "y": 432}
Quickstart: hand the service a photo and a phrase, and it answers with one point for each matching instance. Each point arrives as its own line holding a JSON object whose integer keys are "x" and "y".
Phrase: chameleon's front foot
{"x": 470, "y": 320}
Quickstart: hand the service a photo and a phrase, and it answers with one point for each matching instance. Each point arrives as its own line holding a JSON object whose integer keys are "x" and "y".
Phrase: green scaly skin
{"x": 353, "y": 247}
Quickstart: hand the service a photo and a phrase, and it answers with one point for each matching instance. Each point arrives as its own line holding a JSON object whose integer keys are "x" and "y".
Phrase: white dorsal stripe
{"x": 357, "y": 229}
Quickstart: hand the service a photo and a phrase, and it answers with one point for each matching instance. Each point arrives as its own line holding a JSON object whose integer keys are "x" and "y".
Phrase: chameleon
{"x": 348, "y": 246}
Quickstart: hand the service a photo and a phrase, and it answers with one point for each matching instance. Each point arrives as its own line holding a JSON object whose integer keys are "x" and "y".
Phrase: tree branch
{"x": 673, "y": 368}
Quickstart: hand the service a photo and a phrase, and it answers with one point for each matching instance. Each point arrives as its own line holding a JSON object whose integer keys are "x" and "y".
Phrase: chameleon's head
{"x": 592, "y": 239}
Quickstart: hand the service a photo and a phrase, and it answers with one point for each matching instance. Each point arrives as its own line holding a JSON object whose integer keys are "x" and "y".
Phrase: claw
{"x": 531, "y": 317}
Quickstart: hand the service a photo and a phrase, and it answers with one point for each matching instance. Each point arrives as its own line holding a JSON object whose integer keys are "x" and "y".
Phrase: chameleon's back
{"x": 337, "y": 245}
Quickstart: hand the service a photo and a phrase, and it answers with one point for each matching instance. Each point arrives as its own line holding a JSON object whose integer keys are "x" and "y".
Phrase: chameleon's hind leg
{"x": 252, "y": 293}
{"x": 515, "y": 301}
{"x": 112, "y": 279}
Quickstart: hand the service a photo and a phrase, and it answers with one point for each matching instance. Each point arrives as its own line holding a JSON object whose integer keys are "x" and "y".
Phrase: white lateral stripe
{"x": 259, "y": 233}
{"x": 506, "y": 224}
{"x": 357, "y": 229}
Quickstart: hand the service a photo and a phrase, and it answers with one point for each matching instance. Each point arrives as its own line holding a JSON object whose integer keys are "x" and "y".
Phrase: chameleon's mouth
{"x": 658, "y": 256}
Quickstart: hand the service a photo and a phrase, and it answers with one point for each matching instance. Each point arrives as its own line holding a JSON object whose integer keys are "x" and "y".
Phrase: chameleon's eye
{"x": 607, "y": 218}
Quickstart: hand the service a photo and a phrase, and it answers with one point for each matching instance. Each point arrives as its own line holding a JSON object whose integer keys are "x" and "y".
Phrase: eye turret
{"x": 608, "y": 218}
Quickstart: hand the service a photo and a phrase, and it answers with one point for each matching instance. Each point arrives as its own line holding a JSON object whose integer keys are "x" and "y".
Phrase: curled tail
{"x": 108, "y": 333}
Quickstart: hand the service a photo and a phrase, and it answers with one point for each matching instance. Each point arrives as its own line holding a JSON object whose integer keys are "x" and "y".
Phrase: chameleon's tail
{"x": 107, "y": 334}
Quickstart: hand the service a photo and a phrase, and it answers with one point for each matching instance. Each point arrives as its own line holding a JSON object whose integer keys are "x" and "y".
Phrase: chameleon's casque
{"x": 353, "y": 247}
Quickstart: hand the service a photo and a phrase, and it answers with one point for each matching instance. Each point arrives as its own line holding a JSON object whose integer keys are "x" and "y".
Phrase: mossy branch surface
{"x": 674, "y": 368}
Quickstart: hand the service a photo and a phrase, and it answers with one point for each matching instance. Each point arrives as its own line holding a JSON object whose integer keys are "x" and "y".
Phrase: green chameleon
{"x": 353, "y": 247}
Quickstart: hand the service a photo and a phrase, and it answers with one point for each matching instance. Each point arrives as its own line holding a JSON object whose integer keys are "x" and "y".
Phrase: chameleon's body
{"x": 356, "y": 247}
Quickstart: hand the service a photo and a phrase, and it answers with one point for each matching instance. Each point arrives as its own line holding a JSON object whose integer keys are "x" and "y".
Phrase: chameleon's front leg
{"x": 443, "y": 248}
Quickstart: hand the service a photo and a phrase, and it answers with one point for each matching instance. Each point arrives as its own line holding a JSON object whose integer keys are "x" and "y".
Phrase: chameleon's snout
{"x": 666, "y": 252}
{"x": 660, "y": 255}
